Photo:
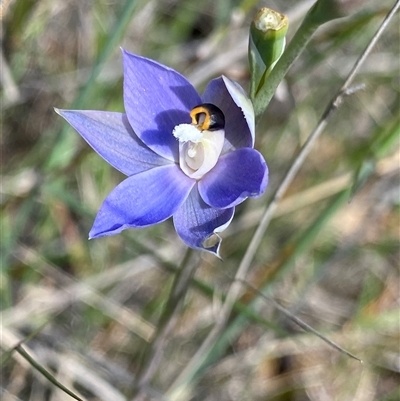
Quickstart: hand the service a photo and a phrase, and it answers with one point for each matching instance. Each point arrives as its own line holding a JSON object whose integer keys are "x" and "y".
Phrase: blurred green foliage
{"x": 86, "y": 309}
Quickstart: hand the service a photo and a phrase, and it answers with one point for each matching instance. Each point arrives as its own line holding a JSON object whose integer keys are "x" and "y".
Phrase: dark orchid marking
{"x": 208, "y": 117}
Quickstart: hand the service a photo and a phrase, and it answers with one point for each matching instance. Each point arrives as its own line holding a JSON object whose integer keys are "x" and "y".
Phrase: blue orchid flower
{"x": 186, "y": 156}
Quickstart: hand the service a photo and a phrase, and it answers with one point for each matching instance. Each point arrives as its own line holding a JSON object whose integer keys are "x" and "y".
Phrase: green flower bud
{"x": 266, "y": 44}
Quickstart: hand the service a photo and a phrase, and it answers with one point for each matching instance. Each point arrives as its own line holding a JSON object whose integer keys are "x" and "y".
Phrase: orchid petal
{"x": 198, "y": 224}
{"x": 142, "y": 200}
{"x": 111, "y": 136}
{"x": 236, "y": 176}
{"x": 238, "y": 111}
{"x": 156, "y": 98}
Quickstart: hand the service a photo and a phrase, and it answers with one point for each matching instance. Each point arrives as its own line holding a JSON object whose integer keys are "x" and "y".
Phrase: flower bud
{"x": 266, "y": 44}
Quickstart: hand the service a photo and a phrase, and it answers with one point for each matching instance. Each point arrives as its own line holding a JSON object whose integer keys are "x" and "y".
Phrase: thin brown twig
{"x": 300, "y": 322}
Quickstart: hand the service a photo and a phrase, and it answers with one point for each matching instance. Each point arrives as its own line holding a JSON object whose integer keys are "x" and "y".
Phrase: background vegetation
{"x": 85, "y": 310}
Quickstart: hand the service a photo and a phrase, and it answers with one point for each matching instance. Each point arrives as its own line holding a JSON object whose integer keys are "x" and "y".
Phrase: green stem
{"x": 153, "y": 352}
{"x": 45, "y": 372}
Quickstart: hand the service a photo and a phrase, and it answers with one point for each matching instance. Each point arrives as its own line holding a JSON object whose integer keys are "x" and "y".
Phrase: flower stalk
{"x": 154, "y": 350}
